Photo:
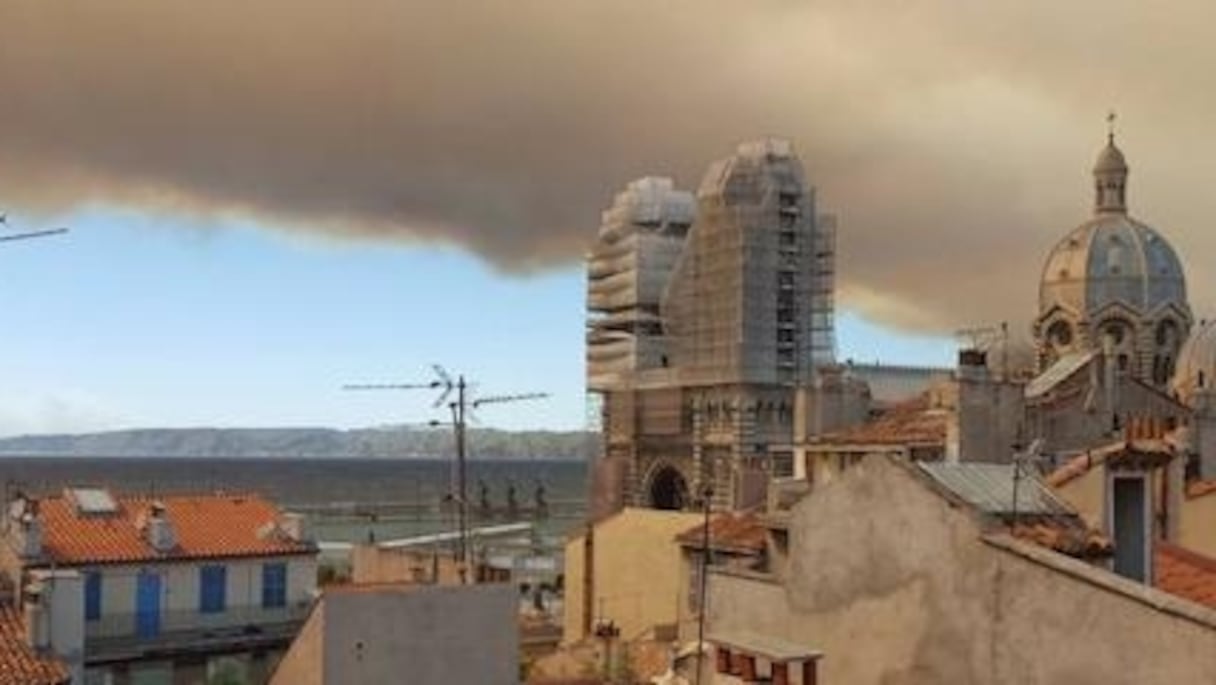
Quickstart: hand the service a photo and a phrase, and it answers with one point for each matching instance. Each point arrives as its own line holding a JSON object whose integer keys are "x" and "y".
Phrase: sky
{"x": 300, "y": 189}
{"x": 134, "y": 320}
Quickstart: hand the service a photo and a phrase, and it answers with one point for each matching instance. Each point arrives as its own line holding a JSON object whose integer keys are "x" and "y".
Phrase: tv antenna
{"x": 6, "y": 237}
{"x": 1022, "y": 462}
{"x": 456, "y": 394}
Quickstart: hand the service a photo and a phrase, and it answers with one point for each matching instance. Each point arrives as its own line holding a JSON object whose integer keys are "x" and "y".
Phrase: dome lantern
{"x": 1110, "y": 179}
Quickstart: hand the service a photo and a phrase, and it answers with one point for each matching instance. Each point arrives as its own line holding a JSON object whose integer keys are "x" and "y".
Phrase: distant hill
{"x": 389, "y": 442}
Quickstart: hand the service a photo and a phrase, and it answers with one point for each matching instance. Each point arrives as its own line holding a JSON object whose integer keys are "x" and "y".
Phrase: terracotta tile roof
{"x": 1147, "y": 451}
{"x": 912, "y": 422}
{"x": 735, "y": 532}
{"x": 20, "y": 664}
{"x": 1066, "y": 535}
{"x": 205, "y": 527}
{"x": 1199, "y": 488}
{"x": 1180, "y": 571}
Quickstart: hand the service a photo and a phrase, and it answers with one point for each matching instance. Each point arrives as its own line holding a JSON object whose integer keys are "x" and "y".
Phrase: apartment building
{"x": 146, "y": 590}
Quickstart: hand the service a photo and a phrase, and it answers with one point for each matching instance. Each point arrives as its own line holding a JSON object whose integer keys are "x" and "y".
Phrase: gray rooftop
{"x": 989, "y": 488}
{"x": 1057, "y": 373}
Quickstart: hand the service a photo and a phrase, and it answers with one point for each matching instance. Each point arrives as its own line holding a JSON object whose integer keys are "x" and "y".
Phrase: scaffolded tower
{"x": 701, "y": 331}
{"x": 751, "y": 298}
{"x": 640, "y": 239}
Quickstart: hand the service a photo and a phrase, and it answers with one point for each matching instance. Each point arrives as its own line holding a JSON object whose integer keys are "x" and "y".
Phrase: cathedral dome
{"x": 1196, "y": 367}
{"x": 1110, "y": 259}
{"x": 1115, "y": 285}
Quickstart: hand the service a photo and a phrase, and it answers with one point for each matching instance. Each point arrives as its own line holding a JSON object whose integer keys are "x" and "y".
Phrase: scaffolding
{"x": 751, "y": 297}
{"x": 640, "y": 238}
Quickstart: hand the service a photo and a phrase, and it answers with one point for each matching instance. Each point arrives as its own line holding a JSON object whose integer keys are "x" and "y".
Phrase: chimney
{"x": 158, "y": 529}
{"x": 972, "y": 364}
{"x": 37, "y": 627}
{"x": 54, "y": 616}
{"x": 294, "y": 526}
{"x": 26, "y": 524}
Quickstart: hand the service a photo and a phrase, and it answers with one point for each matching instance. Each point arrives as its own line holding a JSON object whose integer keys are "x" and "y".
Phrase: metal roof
{"x": 1058, "y": 372}
{"x": 989, "y": 488}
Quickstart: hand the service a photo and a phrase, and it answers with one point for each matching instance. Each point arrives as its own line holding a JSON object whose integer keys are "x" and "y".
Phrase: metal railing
{"x": 118, "y": 635}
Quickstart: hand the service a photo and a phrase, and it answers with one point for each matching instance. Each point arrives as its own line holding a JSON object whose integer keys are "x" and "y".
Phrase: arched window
{"x": 1167, "y": 334}
{"x": 1059, "y": 334}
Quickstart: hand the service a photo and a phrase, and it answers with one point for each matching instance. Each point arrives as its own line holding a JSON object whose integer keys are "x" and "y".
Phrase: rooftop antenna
{"x": 461, "y": 408}
{"x": 1021, "y": 460}
{"x": 6, "y": 237}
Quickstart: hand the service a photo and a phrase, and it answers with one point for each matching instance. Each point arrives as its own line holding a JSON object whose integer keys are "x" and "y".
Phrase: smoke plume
{"x": 952, "y": 138}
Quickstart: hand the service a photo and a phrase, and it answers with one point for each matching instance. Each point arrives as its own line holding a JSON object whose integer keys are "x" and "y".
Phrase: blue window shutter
{"x": 213, "y": 581}
{"x": 274, "y": 585}
{"x": 92, "y": 596}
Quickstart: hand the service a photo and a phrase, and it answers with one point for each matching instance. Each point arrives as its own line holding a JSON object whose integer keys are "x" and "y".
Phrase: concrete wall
{"x": 895, "y": 585}
{"x": 988, "y": 419}
{"x": 423, "y": 636}
{"x": 636, "y": 568}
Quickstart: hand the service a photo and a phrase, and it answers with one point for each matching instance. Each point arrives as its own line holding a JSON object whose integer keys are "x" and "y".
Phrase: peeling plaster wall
{"x": 896, "y": 587}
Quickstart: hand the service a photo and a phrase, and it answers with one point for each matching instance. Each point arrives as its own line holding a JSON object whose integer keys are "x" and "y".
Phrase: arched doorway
{"x": 668, "y": 490}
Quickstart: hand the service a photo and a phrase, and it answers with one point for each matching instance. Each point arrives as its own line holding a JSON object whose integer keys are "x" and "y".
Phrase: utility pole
{"x": 707, "y": 494}
{"x": 461, "y": 409}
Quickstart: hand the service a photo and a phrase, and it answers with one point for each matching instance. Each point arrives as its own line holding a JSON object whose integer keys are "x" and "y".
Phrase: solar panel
{"x": 93, "y": 500}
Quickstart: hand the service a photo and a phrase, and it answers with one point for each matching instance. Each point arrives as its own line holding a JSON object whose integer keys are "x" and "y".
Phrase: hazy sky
{"x": 216, "y": 161}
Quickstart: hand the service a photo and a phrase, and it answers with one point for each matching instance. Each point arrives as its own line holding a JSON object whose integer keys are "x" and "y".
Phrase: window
{"x": 213, "y": 586}
{"x": 274, "y": 585}
{"x": 92, "y": 596}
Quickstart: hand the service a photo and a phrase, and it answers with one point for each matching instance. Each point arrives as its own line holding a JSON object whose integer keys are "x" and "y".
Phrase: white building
{"x": 158, "y": 589}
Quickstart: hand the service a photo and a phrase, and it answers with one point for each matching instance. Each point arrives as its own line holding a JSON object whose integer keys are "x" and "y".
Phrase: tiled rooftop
{"x": 20, "y": 664}
{"x": 737, "y": 532}
{"x": 1185, "y": 573}
{"x": 1146, "y": 442}
{"x": 1065, "y": 535}
{"x": 913, "y": 422}
{"x": 205, "y": 527}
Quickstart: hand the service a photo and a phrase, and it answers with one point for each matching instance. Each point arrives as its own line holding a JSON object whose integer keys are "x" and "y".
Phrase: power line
{"x": 7, "y": 237}
{"x": 461, "y": 408}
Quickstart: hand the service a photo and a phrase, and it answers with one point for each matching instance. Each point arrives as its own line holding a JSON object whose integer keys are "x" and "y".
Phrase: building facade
{"x": 898, "y": 572}
{"x": 160, "y": 590}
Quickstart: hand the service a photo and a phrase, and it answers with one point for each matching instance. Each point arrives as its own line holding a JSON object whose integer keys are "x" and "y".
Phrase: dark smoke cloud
{"x": 953, "y": 138}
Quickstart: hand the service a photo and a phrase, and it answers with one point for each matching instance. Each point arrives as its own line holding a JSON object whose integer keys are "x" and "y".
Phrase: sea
{"x": 345, "y": 499}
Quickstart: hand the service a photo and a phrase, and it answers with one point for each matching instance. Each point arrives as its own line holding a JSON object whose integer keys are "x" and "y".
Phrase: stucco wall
{"x": 301, "y": 664}
{"x": 180, "y": 593}
{"x": 636, "y": 572}
{"x": 574, "y": 609}
{"x": 1197, "y": 526}
{"x": 896, "y": 587}
{"x": 1087, "y": 494}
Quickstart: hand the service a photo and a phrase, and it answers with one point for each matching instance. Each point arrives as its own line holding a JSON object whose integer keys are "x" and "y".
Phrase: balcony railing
{"x": 116, "y": 636}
